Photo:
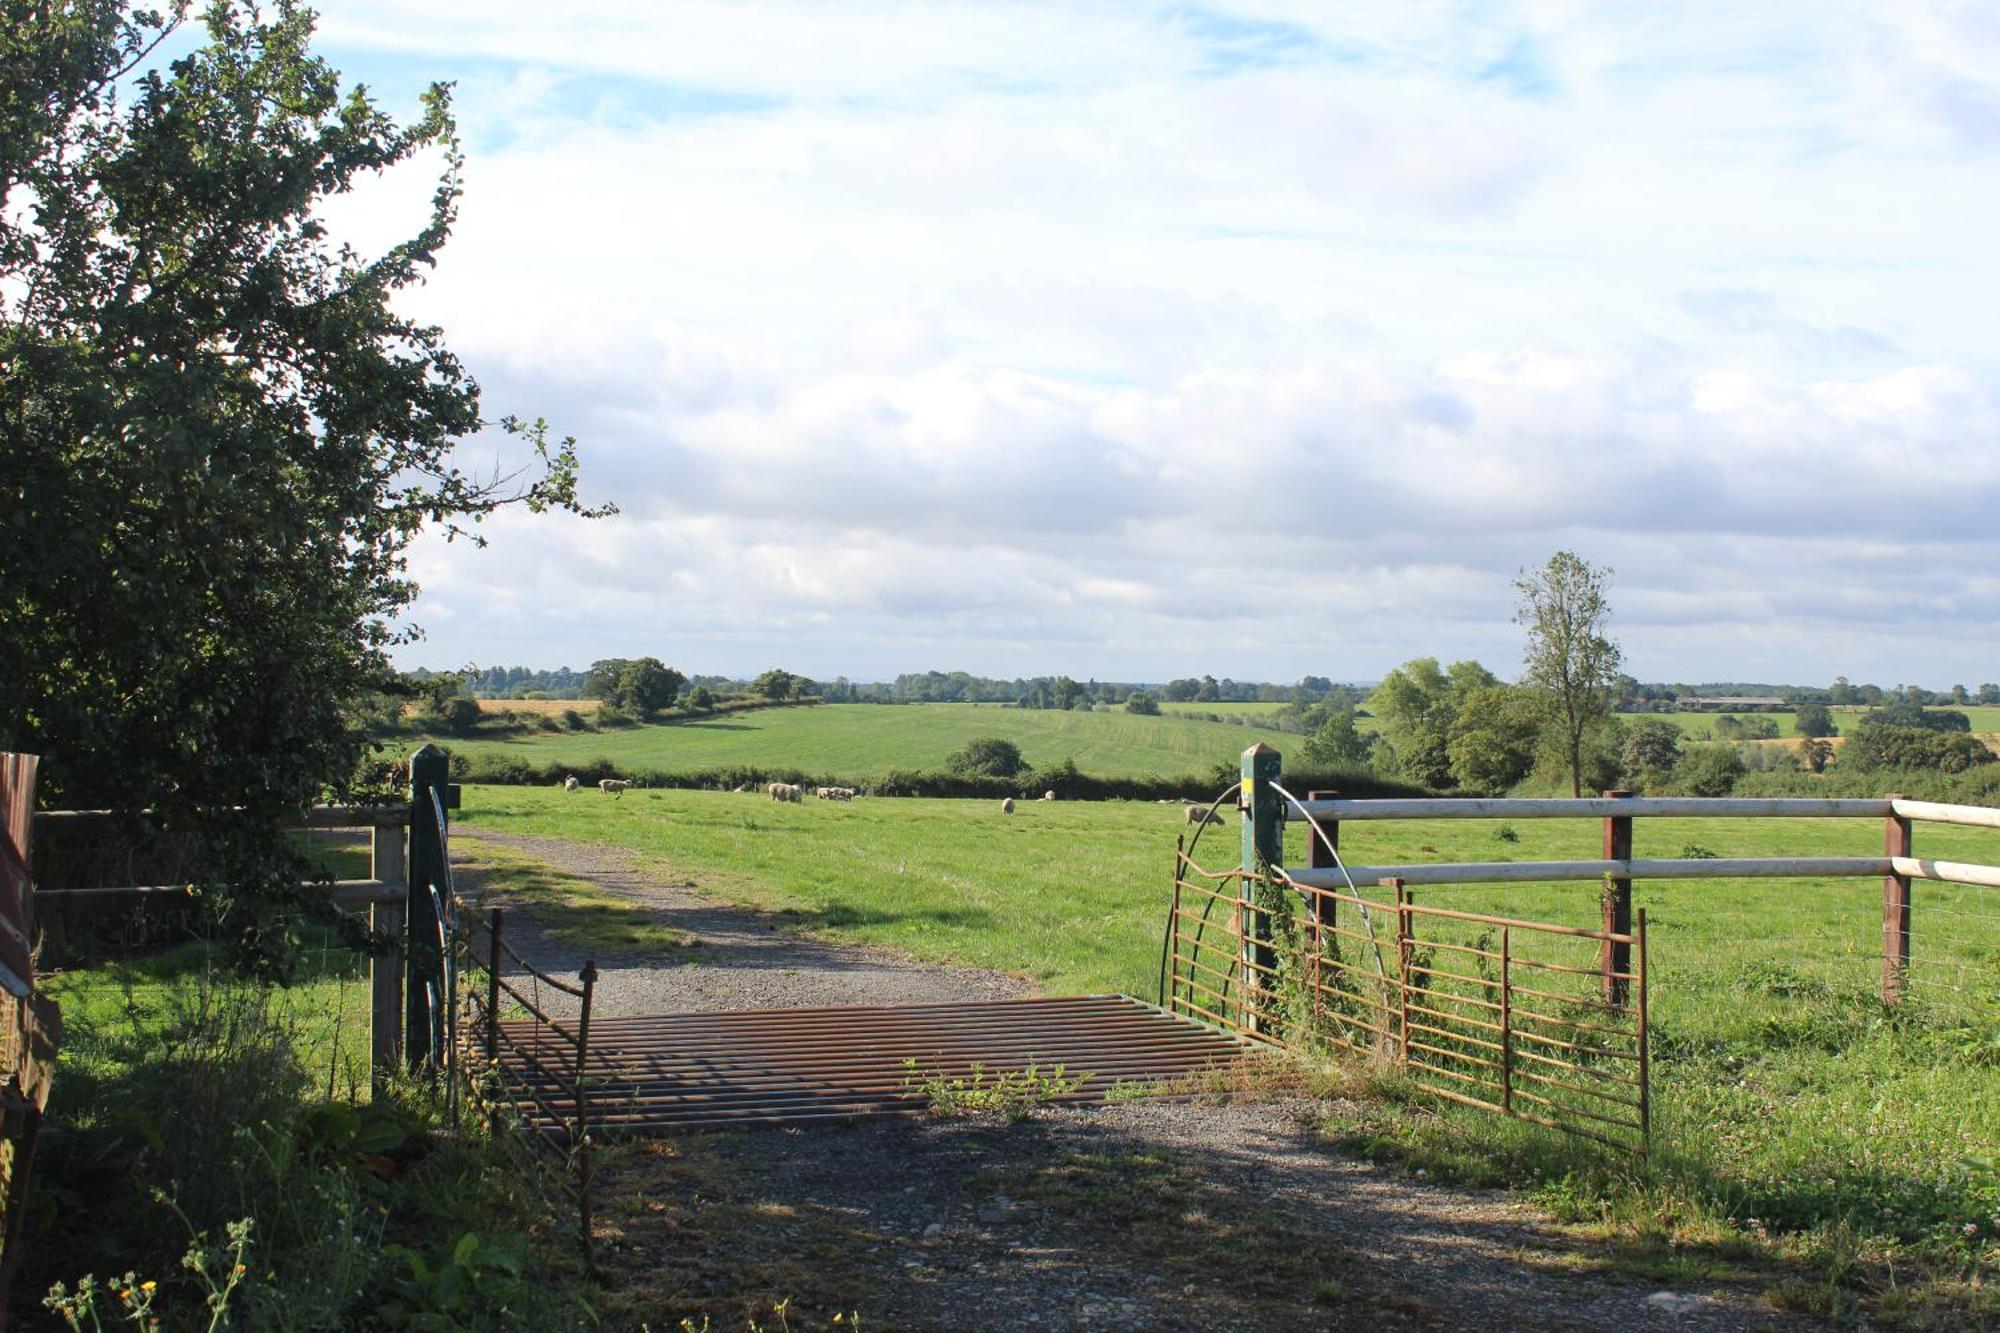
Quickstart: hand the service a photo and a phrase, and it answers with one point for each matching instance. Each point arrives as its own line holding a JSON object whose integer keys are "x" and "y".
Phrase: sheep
{"x": 613, "y": 786}
{"x": 570, "y": 783}
{"x": 1007, "y": 806}
{"x": 785, "y": 791}
{"x": 834, "y": 793}
{"x": 1197, "y": 815}
{"x": 1048, "y": 796}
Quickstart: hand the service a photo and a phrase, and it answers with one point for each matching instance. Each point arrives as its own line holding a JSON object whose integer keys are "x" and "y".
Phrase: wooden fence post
{"x": 1263, "y": 845}
{"x": 430, "y": 770}
{"x": 1615, "y": 957}
{"x": 387, "y": 865}
{"x": 1896, "y": 841}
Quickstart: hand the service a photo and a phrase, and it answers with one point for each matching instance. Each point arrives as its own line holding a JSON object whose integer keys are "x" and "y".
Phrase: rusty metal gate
{"x": 1506, "y": 1015}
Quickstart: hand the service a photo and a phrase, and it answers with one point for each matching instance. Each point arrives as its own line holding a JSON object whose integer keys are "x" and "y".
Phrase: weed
{"x": 1011, "y": 1093}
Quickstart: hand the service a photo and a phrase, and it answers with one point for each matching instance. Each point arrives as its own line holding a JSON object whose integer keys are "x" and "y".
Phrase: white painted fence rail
{"x": 1654, "y": 807}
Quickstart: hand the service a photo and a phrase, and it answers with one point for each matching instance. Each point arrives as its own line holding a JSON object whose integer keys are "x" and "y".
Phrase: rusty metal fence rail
{"x": 1506, "y": 1015}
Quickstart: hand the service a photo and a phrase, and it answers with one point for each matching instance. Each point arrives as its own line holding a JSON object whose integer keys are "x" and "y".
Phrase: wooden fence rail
{"x": 383, "y": 895}
{"x": 1898, "y": 866}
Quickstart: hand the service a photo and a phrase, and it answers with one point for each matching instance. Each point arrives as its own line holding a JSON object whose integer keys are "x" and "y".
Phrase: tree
{"x": 1142, "y": 703}
{"x": 1492, "y": 743}
{"x": 700, "y": 700}
{"x": 987, "y": 757}
{"x": 1709, "y": 770}
{"x": 773, "y": 684}
{"x": 1338, "y": 741}
{"x": 1905, "y": 712}
{"x": 1989, "y": 695}
{"x": 648, "y": 685}
{"x": 1815, "y": 720}
{"x": 1413, "y": 704}
{"x": 218, "y": 433}
{"x": 1417, "y": 705}
{"x": 1879, "y": 745}
{"x": 1652, "y": 752}
{"x": 1570, "y": 660}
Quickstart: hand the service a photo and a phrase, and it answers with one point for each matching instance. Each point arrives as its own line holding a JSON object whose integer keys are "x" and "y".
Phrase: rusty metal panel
{"x": 786, "y": 1066}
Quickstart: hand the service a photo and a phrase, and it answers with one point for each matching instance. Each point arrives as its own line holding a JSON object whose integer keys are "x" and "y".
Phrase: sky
{"x": 1135, "y": 341}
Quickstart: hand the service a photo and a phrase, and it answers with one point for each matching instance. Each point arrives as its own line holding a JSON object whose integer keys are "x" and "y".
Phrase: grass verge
{"x": 198, "y": 1114}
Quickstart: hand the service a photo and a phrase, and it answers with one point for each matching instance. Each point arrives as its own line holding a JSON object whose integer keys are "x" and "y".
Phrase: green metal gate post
{"x": 430, "y": 770}
{"x": 1263, "y": 845}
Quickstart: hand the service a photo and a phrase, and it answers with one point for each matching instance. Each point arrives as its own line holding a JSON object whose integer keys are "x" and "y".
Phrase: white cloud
{"x": 994, "y": 335}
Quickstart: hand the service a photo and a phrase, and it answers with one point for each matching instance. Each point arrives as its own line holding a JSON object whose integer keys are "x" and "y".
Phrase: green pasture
{"x": 864, "y": 741}
{"x": 1782, "y": 1087}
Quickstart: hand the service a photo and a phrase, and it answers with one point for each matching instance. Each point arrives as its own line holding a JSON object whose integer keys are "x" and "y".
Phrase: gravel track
{"x": 1146, "y": 1215}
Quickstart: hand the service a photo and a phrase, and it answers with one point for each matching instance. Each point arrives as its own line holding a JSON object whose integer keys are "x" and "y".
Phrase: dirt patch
{"x": 1145, "y": 1215}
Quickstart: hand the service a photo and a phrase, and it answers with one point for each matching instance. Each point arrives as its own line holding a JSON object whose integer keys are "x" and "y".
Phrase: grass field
{"x": 864, "y": 741}
{"x": 1784, "y": 1091}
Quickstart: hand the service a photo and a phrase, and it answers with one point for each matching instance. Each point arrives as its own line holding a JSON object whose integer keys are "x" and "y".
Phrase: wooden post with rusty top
{"x": 1263, "y": 845}
{"x": 1615, "y": 956}
{"x": 1896, "y": 841}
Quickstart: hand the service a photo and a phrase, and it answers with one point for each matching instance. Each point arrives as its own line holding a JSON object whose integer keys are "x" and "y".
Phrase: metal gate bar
{"x": 780, "y": 1066}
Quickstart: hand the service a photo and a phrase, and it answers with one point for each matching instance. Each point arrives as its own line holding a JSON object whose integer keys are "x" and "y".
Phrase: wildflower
{"x": 1971, "y": 1230}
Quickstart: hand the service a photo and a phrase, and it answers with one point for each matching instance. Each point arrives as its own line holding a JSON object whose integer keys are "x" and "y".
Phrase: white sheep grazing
{"x": 1007, "y": 806}
{"x": 1197, "y": 815}
{"x": 570, "y": 783}
{"x": 612, "y": 786}
{"x": 1048, "y": 796}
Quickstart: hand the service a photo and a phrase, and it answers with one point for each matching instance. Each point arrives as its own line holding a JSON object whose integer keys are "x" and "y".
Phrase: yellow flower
{"x": 148, "y": 1286}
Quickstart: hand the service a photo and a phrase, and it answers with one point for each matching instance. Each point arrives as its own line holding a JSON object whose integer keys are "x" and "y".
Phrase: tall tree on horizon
{"x": 1571, "y": 660}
